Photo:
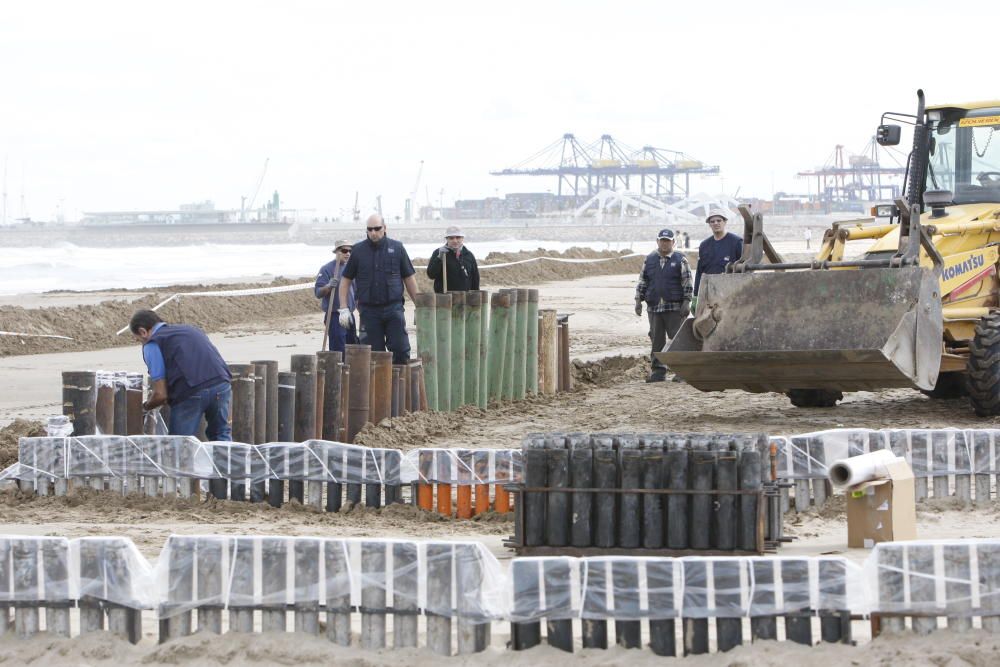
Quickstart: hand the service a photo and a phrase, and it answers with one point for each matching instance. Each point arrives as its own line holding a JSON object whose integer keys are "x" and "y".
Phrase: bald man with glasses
{"x": 379, "y": 269}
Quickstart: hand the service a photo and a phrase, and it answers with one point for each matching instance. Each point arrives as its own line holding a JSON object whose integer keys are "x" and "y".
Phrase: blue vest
{"x": 663, "y": 283}
{"x": 379, "y": 280}
{"x": 191, "y": 361}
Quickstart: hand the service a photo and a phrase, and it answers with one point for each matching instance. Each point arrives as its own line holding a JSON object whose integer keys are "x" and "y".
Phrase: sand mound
{"x": 94, "y": 327}
{"x": 610, "y": 370}
{"x": 19, "y": 428}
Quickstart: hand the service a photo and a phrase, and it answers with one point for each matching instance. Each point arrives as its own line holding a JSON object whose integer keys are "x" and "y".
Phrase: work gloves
{"x": 638, "y": 308}
{"x": 345, "y": 318}
{"x": 442, "y": 251}
{"x": 333, "y": 283}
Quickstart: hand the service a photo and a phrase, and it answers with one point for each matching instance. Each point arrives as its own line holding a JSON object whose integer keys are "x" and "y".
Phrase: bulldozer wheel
{"x": 984, "y": 367}
{"x": 814, "y": 398}
{"x": 949, "y": 385}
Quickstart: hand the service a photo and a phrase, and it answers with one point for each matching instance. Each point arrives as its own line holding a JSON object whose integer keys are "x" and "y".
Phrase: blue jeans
{"x": 339, "y": 337}
{"x": 213, "y": 402}
{"x": 384, "y": 327}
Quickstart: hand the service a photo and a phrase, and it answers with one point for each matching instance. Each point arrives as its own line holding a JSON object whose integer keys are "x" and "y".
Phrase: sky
{"x": 134, "y": 105}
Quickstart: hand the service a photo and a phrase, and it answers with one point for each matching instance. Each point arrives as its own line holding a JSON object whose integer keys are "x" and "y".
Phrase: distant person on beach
{"x": 687, "y": 240}
{"x": 665, "y": 286}
{"x": 187, "y": 373}
{"x": 326, "y": 285}
{"x": 716, "y": 251}
{"x": 460, "y": 267}
{"x": 808, "y": 234}
{"x": 382, "y": 269}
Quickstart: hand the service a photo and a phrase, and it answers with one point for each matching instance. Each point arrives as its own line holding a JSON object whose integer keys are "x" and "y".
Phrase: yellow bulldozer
{"x": 919, "y": 308}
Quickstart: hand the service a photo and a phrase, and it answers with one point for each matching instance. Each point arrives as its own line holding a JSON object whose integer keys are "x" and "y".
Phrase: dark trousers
{"x": 384, "y": 328}
{"x": 339, "y": 337}
{"x": 661, "y": 327}
{"x": 213, "y": 403}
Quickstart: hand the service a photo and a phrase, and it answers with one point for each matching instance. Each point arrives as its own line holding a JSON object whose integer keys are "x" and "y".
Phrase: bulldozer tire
{"x": 949, "y": 385}
{"x": 814, "y": 398}
{"x": 984, "y": 367}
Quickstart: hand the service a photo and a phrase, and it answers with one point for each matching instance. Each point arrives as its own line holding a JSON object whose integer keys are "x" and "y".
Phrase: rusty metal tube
{"x": 304, "y": 367}
{"x": 381, "y": 387}
{"x": 268, "y": 368}
{"x": 105, "y": 404}
{"x": 359, "y": 359}
{"x": 80, "y": 400}
{"x": 329, "y": 362}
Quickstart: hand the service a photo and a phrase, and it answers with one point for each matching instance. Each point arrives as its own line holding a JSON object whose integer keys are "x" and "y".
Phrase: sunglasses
{"x": 373, "y": 229}
{"x": 346, "y": 251}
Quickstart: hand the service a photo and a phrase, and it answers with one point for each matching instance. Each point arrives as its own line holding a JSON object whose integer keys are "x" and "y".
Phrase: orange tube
{"x": 502, "y": 502}
{"x": 444, "y": 499}
{"x": 425, "y": 497}
{"x": 464, "y": 493}
{"x": 482, "y": 498}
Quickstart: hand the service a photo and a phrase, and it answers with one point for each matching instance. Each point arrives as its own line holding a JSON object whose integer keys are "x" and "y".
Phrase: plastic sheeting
{"x": 339, "y": 575}
{"x": 55, "y": 571}
{"x": 939, "y": 577}
{"x": 187, "y": 457}
{"x": 930, "y": 452}
{"x": 636, "y": 588}
{"x": 462, "y": 466}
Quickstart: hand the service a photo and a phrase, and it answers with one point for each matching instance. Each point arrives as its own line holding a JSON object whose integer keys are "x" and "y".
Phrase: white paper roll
{"x": 864, "y": 468}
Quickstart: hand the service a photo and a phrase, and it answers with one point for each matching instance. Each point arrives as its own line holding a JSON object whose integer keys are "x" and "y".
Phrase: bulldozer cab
{"x": 832, "y": 324}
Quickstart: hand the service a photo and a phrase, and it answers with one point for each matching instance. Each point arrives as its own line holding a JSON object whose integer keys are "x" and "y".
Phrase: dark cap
{"x": 665, "y": 234}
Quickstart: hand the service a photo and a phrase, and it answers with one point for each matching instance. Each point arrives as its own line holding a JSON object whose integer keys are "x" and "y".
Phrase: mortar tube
{"x": 531, "y": 345}
{"x": 304, "y": 366}
{"x": 320, "y": 395}
{"x": 269, "y": 369}
{"x": 257, "y": 468}
{"x": 396, "y": 406}
{"x": 404, "y": 389}
{"x": 442, "y": 316}
{"x": 499, "y": 314}
{"x": 104, "y": 408}
{"x": 548, "y": 352}
{"x": 121, "y": 404}
{"x": 473, "y": 346}
{"x": 359, "y": 360}
{"x": 457, "y": 349}
{"x": 481, "y": 469}
{"x": 413, "y": 369}
{"x": 484, "y": 347}
{"x": 345, "y": 400}
{"x": 286, "y": 433}
{"x": 425, "y": 488}
{"x": 501, "y": 496}
{"x": 511, "y": 357}
{"x": 244, "y": 399}
{"x": 329, "y": 362}
{"x": 80, "y": 400}
{"x": 422, "y": 394}
{"x": 133, "y": 400}
{"x": 463, "y": 492}
{"x": 443, "y": 472}
{"x": 564, "y": 364}
{"x": 521, "y": 344}
{"x": 427, "y": 343}
{"x": 381, "y": 387}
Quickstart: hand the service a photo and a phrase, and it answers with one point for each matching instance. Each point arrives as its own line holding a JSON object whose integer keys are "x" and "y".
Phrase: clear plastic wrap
{"x": 461, "y": 466}
{"x": 930, "y": 452}
{"x": 187, "y": 457}
{"x": 939, "y": 577}
{"x": 339, "y": 575}
{"x": 55, "y": 572}
{"x": 625, "y": 588}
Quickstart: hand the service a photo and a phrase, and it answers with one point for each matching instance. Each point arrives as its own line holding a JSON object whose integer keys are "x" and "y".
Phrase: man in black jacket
{"x": 461, "y": 270}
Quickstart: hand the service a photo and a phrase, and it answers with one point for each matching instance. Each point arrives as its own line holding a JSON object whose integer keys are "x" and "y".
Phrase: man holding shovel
{"x": 326, "y": 286}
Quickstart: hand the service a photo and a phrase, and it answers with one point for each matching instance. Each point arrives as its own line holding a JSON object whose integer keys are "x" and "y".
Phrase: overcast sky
{"x": 136, "y": 105}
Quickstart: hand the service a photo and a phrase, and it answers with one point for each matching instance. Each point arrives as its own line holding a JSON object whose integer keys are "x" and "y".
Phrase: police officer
{"x": 382, "y": 269}
{"x": 665, "y": 285}
{"x": 326, "y": 285}
{"x": 187, "y": 372}
{"x": 716, "y": 251}
{"x": 460, "y": 267}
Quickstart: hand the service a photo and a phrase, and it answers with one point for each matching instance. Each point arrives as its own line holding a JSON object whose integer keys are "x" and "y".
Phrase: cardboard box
{"x": 882, "y": 510}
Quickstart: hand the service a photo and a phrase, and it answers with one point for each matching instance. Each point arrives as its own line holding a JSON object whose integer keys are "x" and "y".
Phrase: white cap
{"x": 718, "y": 213}
{"x": 454, "y": 231}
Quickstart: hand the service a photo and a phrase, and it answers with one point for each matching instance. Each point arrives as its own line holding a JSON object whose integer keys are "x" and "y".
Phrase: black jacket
{"x": 463, "y": 273}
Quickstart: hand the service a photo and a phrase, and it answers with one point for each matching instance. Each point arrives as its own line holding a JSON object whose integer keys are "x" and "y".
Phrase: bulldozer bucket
{"x": 846, "y": 330}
